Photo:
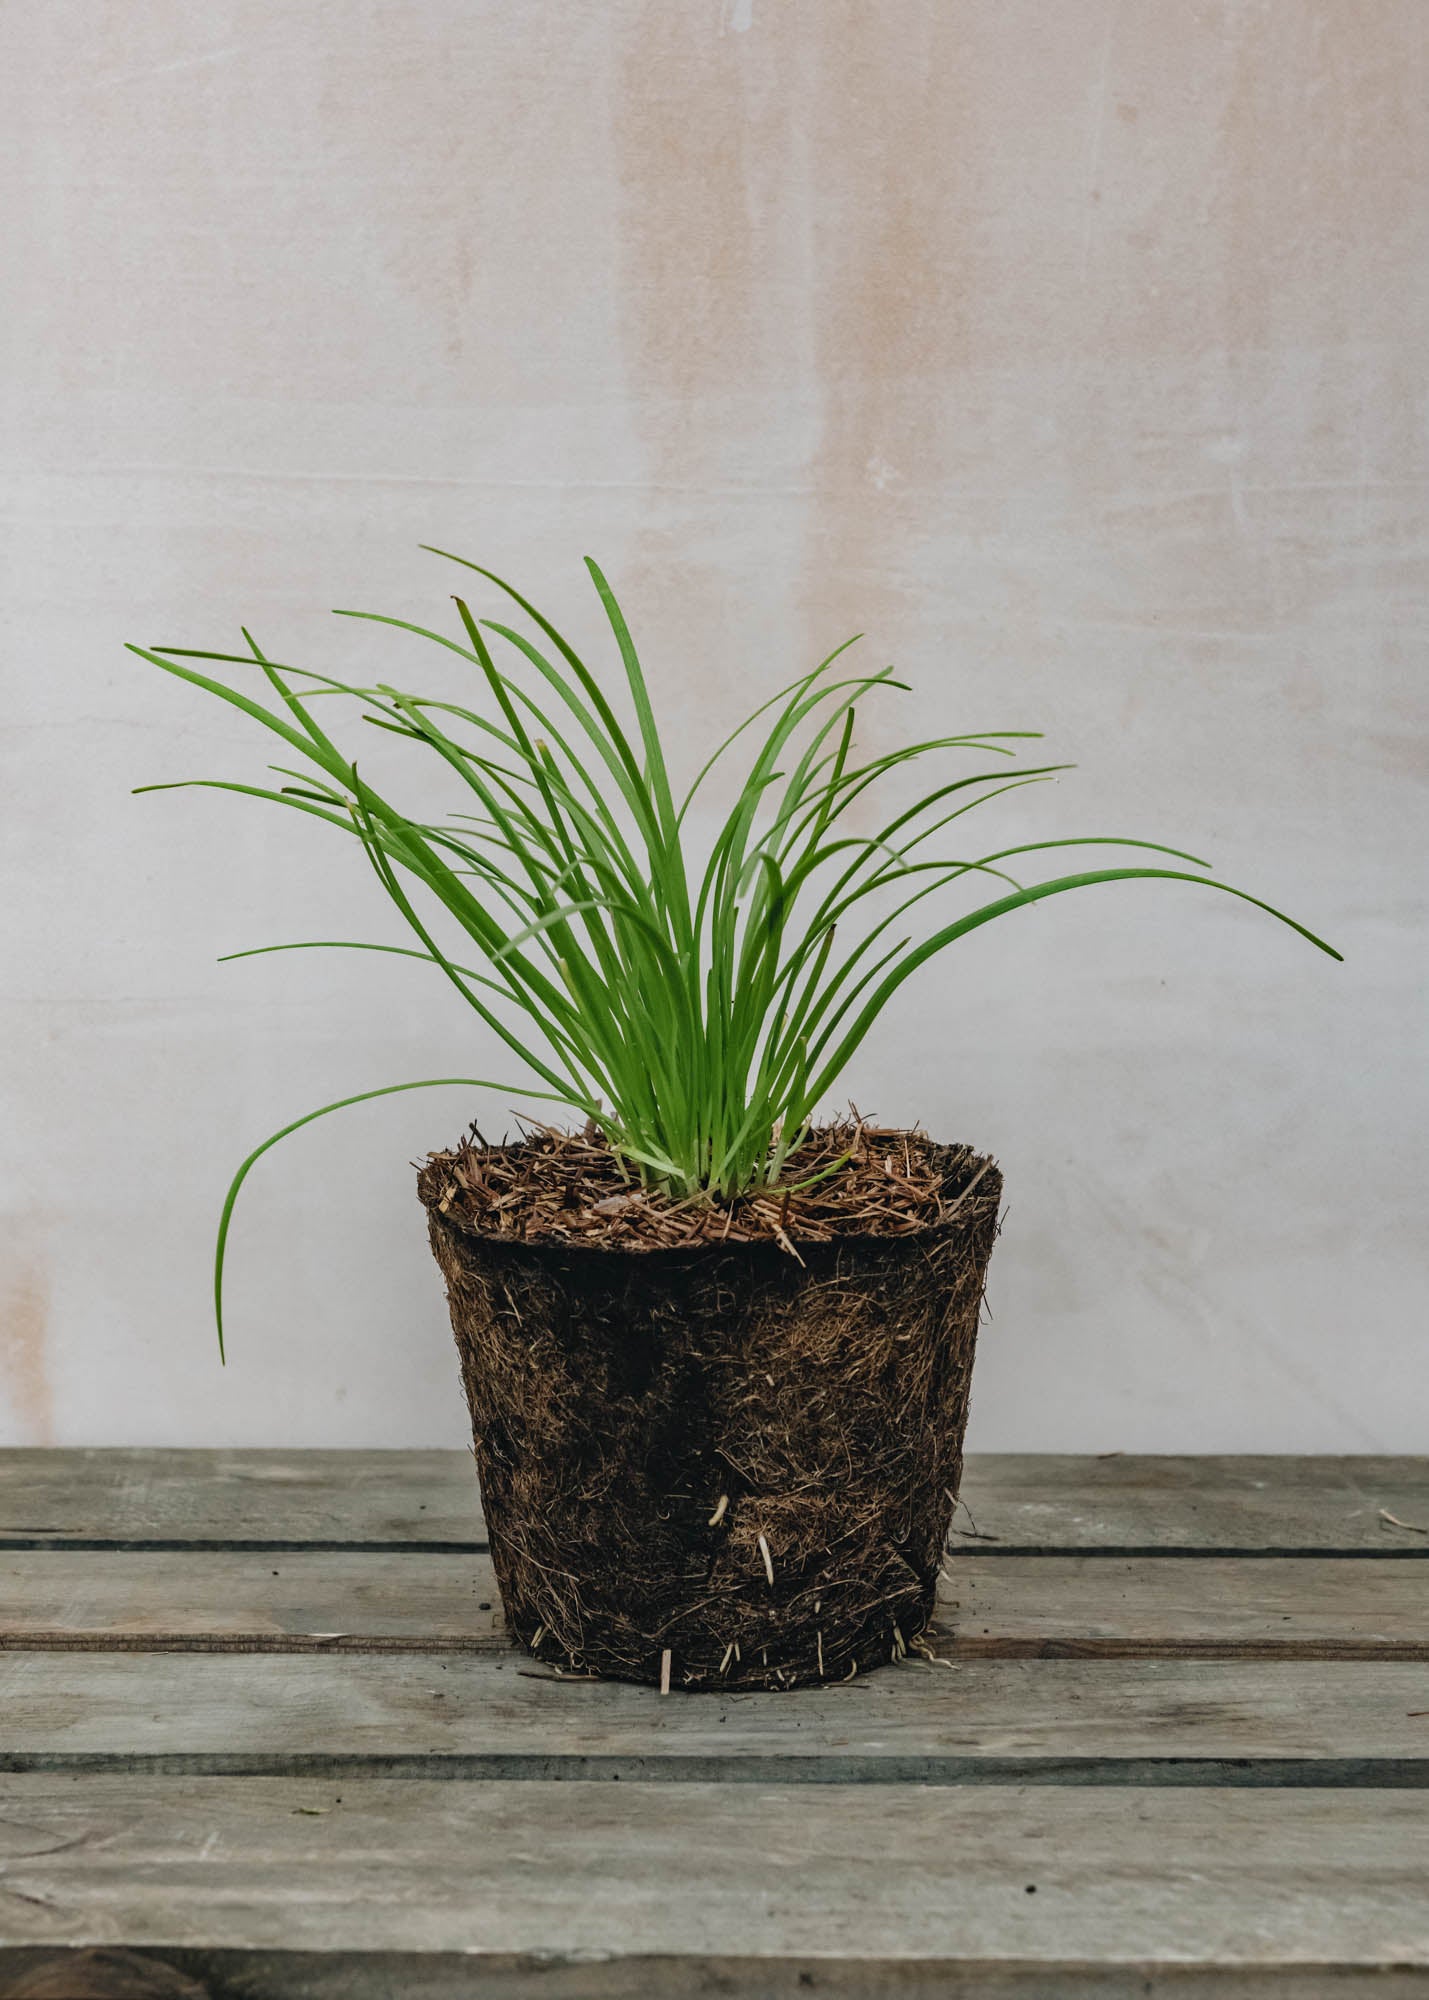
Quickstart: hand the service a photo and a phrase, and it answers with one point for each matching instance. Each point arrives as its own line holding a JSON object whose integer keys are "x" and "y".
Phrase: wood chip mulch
{"x": 570, "y": 1187}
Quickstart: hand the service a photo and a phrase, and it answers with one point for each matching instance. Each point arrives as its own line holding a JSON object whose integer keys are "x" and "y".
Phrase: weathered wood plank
{"x": 304, "y": 1600}
{"x": 1034, "y": 1875}
{"x": 1207, "y": 1607}
{"x": 998, "y": 1606}
{"x": 462, "y": 1712}
{"x": 249, "y": 1495}
{"x": 1205, "y": 1502}
{"x": 428, "y": 1498}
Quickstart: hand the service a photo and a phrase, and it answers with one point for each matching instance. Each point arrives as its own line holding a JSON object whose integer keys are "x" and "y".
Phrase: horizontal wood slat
{"x": 449, "y": 1708}
{"x": 870, "y": 1875}
{"x": 998, "y": 1606}
{"x": 429, "y": 1498}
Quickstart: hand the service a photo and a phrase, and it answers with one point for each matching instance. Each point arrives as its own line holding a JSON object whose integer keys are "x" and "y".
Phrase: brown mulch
{"x": 569, "y": 1187}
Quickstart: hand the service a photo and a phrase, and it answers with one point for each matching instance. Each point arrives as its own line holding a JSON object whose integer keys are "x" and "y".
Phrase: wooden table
{"x": 261, "y": 1734}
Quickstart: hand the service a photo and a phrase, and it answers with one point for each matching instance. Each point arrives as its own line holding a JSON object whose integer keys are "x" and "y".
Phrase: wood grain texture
{"x": 1220, "y": 1877}
{"x": 443, "y": 1707}
{"x": 425, "y": 1498}
{"x": 1005, "y": 1607}
{"x": 339, "y": 1497}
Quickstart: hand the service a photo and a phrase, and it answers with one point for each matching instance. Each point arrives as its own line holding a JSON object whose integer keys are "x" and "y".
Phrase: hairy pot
{"x": 724, "y": 1465}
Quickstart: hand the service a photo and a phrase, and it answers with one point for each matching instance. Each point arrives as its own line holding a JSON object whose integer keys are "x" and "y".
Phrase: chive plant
{"x": 698, "y": 1015}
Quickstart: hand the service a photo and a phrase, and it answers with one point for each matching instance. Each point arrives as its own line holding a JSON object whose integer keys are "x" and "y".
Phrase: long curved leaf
{"x": 339, "y": 1104}
{"x": 990, "y": 911}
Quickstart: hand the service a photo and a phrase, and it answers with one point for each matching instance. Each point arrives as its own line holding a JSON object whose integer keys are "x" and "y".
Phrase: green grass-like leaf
{"x": 696, "y": 1007}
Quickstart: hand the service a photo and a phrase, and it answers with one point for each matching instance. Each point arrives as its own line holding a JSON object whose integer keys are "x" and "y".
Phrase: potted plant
{"x": 716, "y": 1355}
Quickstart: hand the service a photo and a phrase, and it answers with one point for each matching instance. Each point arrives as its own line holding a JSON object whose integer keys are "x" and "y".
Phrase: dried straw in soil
{"x": 569, "y": 1187}
{"x": 713, "y": 1460}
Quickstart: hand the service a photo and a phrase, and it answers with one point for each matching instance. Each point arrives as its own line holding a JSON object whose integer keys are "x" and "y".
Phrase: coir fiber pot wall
{"x": 741, "y": 1459}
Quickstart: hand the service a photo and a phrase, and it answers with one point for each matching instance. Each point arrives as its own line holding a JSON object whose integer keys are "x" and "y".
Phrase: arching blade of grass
{"x": 602, "y": 726}
{"x": 387, "y": 875}
{"x": 795, "y": 688}
{"x": 309, "y": 1118}
{"x": 654, "y": 775}
{"x": 990, "y": 911}
{"x": 349, "y": 944}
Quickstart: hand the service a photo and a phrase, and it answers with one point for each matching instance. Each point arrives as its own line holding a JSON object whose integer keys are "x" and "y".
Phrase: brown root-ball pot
{"x": 721, "y": 1466}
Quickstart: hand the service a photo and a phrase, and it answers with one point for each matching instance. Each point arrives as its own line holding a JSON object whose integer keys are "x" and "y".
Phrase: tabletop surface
{"x": 261, "y": 1734}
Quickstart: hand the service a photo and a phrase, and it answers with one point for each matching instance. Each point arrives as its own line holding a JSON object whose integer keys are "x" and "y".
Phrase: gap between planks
{"x": 379, "y": 1975}
{"x": 1234, "y": 1773}
{"x": 1348, "y": 1651}
{"x": 960, "y": 1547}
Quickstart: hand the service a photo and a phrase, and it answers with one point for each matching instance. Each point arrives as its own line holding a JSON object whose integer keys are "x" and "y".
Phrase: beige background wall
{"x": 1072, "y": 350}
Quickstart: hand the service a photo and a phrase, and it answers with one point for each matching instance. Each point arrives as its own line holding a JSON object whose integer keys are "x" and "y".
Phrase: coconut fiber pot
{"x": 720, "y": 1465}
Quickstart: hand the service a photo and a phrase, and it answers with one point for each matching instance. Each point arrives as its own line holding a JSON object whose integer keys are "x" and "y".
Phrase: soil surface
{"x": 849, "y": 1179}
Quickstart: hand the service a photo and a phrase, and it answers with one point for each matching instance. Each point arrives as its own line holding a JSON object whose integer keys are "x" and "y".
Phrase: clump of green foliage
{"x": 698, "y": 1014}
